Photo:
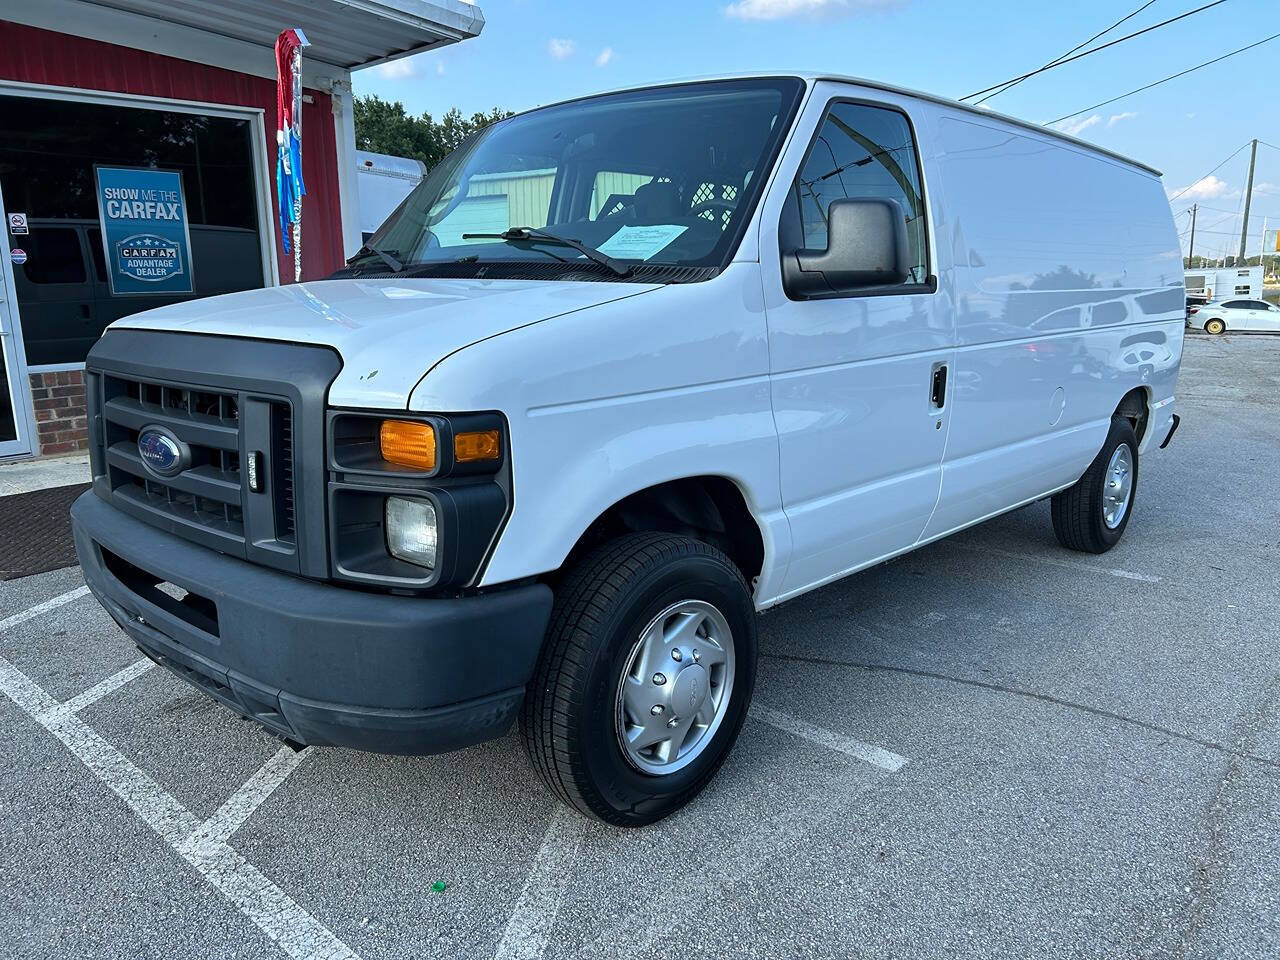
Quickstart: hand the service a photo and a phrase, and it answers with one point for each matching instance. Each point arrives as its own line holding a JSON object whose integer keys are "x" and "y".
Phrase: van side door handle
{"x": 938, "y": 391}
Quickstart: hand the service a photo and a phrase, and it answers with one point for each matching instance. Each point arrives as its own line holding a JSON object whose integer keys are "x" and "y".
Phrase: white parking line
{"x": 100, "y": 690}
{"x": 293, "y": 929}
{"x": 32, "y": 612}
{"x": 231, "y": 816}
{"x": 867, "y": 753}
{"x": 1056, "y": 562}
{"x": 529, "y": 928}
{"x": 645, "y": 925}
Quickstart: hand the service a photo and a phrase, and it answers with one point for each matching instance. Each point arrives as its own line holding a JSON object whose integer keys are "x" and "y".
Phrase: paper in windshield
{"x": 640, "y": 243}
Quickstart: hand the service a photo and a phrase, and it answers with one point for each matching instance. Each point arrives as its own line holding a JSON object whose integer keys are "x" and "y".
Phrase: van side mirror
{"x": 866, "y": 247}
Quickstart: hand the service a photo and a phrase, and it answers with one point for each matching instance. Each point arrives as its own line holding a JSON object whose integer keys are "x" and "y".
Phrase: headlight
{"x": 411, "y": 531}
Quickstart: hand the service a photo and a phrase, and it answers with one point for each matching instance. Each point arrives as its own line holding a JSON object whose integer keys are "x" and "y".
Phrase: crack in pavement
{"x": 1031, "y": 695}
{"x": 1216, "y": 859}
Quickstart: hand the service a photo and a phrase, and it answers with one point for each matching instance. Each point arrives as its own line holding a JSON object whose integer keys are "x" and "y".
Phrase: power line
{"x": 1111, "y": 43}
{"x": 1205, "y": 206}
{"x": 1069, "y": 52}
{"x": 1175, "y": 76}
{"x": 1225, "y": 233}
{"x": 1207, "y": 175}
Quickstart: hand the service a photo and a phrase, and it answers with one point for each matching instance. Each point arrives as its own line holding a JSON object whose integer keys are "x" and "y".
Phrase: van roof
{"x": 810, "y": 77}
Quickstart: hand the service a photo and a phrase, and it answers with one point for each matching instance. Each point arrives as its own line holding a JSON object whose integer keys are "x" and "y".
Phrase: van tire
{"x": 1079, "y": 516}
{"x": 1215, "y": 327}
{"x": 569, "y": 718}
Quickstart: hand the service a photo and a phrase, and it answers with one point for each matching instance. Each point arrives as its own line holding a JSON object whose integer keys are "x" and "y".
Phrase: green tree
{"x": 386, "y": 127}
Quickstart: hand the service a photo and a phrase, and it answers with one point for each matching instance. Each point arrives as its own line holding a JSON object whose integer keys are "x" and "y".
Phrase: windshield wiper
{"x": 386, "y": 257}
{"x": 533, "y": 235}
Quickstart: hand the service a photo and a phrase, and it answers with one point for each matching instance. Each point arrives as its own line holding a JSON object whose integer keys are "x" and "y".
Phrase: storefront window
{"x": 47, "y": 158}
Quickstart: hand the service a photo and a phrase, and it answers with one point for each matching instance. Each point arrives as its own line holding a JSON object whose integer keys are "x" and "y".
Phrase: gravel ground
{"x": 1092, "y": 768}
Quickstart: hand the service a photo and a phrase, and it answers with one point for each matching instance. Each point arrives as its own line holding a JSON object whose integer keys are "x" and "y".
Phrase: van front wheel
{"x": 645, "y": 678}
{"x": 1091, "y": 515}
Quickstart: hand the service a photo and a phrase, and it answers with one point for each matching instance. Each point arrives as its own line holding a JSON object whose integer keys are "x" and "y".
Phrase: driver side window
{"x": 863, "y": 151}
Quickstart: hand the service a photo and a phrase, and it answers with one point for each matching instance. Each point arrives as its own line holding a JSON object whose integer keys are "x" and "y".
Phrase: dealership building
{"x": 166, "y": 109}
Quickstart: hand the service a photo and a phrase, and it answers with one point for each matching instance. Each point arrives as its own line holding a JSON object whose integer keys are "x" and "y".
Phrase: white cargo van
{"x": 734, "y": 340}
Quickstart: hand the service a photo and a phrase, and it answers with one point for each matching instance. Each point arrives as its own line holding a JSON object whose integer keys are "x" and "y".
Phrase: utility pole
{"x": 1262, "y": 251}
{"x": 1191, "y": 250}
{"x": 1248, "y": 197}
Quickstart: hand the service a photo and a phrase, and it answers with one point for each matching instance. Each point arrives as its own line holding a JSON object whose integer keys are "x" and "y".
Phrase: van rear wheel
{"x": 645, "y": 678}
{"x": 1091, "y": 515}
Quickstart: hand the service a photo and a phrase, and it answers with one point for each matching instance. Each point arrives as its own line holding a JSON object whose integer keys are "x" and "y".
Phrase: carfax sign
{"x": 144, "y": 230}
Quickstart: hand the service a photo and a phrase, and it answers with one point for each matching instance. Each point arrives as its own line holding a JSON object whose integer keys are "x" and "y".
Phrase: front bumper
{"x": 313, "y": 662}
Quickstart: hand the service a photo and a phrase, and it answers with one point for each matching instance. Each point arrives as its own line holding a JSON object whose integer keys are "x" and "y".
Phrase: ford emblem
{"x": 162, "y": 452}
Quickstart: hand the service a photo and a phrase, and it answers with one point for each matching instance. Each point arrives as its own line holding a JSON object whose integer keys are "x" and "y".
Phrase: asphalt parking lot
{"x": 990, "y": 747}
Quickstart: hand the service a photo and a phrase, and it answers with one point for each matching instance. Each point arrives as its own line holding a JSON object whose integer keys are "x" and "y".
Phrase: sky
{"x": 538, "y": 51}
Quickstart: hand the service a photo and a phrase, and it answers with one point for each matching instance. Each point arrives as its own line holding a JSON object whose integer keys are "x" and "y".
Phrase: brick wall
{"x": 62, "y": 424}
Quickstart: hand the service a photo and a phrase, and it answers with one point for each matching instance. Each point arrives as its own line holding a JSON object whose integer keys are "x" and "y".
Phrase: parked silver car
{"x": 1236, "y": 315}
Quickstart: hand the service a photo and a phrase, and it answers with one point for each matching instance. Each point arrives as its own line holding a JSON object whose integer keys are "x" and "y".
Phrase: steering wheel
{"x": 700, "y": 208}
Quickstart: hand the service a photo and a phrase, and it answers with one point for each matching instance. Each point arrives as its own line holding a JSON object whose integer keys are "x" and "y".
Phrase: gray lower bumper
{"x": 316, "y": 663}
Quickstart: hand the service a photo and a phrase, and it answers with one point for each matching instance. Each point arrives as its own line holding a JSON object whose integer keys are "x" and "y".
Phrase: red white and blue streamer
{"x": 289, "y": 186}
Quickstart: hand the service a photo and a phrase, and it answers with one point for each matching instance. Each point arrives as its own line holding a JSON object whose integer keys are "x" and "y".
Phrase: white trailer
{"x": 1221, "y": 283}
{"x": 384, "y": 183}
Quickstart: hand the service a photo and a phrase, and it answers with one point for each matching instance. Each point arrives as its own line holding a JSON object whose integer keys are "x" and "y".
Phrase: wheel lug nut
{"x": 696, "y": 656}
{"x": 676, "y": 655}
{"x": 673, "y": 721}
{"x": 656, "y": 709}
{"x": 659, "y": 679}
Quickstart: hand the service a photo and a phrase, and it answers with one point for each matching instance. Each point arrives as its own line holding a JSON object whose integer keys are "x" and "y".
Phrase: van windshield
{"x": 659, "y": 181}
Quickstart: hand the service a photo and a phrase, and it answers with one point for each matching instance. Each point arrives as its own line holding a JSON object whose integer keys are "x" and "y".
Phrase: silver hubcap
{"x": 1119, "y": 487}
{"x": 675, "y": 687}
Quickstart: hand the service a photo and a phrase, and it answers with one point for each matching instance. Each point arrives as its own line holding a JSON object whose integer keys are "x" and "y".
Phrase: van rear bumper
{"x": 312, "y": 662}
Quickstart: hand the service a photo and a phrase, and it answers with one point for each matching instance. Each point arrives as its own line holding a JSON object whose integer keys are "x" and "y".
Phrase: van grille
{"x": 207, "y": 498}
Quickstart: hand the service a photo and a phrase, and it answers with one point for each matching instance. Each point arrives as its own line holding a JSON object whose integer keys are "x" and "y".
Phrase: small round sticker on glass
{"x": 18, "y": 256}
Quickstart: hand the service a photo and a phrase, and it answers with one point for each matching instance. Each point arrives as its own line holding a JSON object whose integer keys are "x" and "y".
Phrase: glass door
{"x": 15, "y": 398}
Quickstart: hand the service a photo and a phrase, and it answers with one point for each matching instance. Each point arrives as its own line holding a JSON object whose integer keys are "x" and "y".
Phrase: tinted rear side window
{"x": 53, "y": 255}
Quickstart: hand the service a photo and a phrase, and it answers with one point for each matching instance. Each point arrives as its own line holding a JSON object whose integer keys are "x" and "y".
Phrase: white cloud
{"x": 1076, "y": 127}
{"x": 440, "y": 68}
{"x": 1120, "y": 117}
{"x": 1206, "y": 188}
{"x": 813, "y": 9}
{"x": 604, "y": 56}
{"x": 560, "y": 48}
{"x": 1267, "y": 189}
{"x": 397, "y": 69}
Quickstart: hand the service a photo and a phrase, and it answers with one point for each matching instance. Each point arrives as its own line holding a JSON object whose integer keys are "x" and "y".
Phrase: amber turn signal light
{"x": 408, "y": 444}
{"x": 476, "y": 445}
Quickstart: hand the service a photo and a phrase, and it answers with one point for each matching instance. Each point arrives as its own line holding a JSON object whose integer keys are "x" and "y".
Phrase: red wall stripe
{"x": 33, "y": 55}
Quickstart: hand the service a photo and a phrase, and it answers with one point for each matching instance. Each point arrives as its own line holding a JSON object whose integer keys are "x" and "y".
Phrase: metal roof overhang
{"x": 344, "y": 33}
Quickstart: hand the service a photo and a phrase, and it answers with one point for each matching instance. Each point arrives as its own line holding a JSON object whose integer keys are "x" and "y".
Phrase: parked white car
{"x": 1236, "y": 316}
{"x": 735, "y": 339}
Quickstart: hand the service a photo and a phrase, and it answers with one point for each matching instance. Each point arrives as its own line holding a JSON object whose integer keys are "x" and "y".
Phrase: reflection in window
{"x": 50, "y": 146}
{"x": 863, "y": 151}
